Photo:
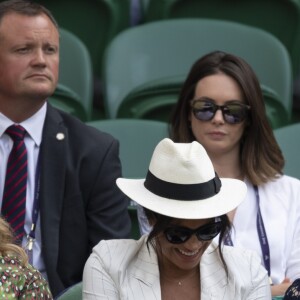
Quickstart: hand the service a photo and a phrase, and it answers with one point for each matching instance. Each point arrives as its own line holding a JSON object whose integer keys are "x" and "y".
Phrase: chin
{"x": 41, "y": 93}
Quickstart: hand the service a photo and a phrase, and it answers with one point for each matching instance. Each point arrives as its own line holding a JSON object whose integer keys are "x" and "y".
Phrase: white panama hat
{"x": 182, "y": 183}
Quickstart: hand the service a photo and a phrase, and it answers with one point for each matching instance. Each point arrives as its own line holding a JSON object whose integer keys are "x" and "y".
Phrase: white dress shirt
{"x": 33, "y": 138}
{"x": 280, "y": 209}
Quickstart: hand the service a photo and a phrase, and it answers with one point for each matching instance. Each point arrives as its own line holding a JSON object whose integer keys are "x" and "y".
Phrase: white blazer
{"x": 125, "y": 269}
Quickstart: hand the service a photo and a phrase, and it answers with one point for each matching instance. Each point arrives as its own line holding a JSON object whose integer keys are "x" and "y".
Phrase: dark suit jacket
{"x": 80, "y": 203}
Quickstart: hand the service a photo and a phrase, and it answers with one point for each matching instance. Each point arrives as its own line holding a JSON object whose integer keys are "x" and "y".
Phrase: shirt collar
{"x": 34, "y": 125}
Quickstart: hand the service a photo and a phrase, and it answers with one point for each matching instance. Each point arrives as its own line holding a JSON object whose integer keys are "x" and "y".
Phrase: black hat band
{"x": 197, "y": 191}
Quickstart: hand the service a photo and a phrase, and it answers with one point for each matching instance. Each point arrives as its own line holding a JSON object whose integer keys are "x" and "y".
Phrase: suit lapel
{"x": 214, "y": 281}
{"x": 145, "y": 272}
{"x": 52, "y": 184}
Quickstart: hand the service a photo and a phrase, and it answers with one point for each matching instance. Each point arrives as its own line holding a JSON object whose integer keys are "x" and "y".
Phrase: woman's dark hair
{"x": 260, "y": 156}
{"x": 162, "y": 222}
{"x": 25, "y": 7}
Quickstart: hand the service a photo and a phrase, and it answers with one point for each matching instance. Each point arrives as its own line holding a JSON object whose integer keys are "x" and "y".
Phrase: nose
{"x": 193, "y": 243}
{"x": 39, "y": 57}
{"x": 218, "y": 117}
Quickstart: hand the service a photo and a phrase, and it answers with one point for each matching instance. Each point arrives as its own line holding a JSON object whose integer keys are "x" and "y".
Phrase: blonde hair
{"x": 7, "y": 246}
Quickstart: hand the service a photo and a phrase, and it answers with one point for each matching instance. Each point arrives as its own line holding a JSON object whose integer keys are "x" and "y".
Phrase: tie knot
{"x": 16, "y": 132}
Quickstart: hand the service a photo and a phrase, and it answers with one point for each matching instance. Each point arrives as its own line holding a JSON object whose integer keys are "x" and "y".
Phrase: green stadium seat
{"x": 68, "y": 101}
{"x": 279, "y": 17}
{"x": 161, "y": 53}
{"x": 289, "y": 142}
{"x": 72, "y": 293}
{"x": 137, "y": 138}
{"x": 135, "y": 228}
{"x": 156, "y": 100}
{"x": 75, "y": 69}
{"x": 95, "y": 22}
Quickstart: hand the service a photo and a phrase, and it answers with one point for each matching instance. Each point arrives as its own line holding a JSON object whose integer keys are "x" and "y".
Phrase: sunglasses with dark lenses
{"x": 233, "y": 113}
{"x": 179, "y": 235}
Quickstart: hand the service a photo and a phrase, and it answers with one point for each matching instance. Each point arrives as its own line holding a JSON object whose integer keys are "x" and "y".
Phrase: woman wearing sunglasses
{"x": 186, "y": 203}
{"x": 221, "y": 106}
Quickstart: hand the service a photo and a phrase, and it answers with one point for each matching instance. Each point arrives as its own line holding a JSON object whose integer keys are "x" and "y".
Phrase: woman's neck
{"x": 179, "y": 276}
{"x": 227, "y": 166}
{"x": 180, "y": 285}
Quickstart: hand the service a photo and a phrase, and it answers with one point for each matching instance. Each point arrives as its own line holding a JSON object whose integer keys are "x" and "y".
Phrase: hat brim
{"x": 231, "y": 194}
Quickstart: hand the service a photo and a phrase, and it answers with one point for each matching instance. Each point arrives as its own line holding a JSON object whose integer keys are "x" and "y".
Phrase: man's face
{"x": 29, "y": 57}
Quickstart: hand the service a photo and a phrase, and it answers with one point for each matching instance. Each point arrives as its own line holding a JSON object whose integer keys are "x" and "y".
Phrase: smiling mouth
{"x": 189, "y": 253}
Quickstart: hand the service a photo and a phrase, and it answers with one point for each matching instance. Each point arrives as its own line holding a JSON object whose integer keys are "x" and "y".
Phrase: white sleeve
{"x": 261, "y": 289}
{"x": 293, "y": 260}
{"x": 97, "y": 283}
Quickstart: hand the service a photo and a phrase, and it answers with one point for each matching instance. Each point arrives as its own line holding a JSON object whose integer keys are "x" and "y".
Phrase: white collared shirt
{"x": 34, "y": 127}
{"x": 280, "y": 209}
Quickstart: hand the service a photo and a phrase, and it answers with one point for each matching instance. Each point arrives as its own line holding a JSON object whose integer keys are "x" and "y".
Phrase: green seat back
{"x": 137, "y": 138}
{"x": 76, "y": 69}
{"x": 95, "y": 22}
{"x": 156, "y": 100}
{"x": 73, "y": 293}
{"x": 135, "y": 228}
{"x": 289, "y": 142}
{"x": 68, "y": 101}
{"x": 165, "y": 49}
{"x": 279, "y": 17}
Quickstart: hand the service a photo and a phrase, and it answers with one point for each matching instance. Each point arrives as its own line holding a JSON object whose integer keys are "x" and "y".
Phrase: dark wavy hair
{"x": 260, "y": 156}
{"x": 162, "y": 222}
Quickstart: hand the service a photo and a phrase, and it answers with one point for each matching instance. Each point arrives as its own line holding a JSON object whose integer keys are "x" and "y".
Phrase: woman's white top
{"x": 280, "y": 209}
{"x": 126, "y": 270}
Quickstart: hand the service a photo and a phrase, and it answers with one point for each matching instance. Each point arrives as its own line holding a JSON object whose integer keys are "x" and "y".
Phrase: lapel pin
{"x": 60, "y": 136}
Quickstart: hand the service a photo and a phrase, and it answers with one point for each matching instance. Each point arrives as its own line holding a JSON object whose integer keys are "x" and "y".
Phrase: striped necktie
{"x": 14, "y": 195}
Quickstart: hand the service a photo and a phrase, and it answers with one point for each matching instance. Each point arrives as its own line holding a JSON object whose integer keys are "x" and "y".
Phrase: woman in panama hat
{"x": 186, "y": 203}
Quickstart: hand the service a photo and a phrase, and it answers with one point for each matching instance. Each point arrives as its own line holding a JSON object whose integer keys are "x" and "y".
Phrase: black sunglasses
{"x": 233, "y": 113}
{"x": 179, "y": 235}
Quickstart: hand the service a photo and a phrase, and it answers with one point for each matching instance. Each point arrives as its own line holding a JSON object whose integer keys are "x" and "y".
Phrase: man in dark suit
{"x": 72, "y": 201}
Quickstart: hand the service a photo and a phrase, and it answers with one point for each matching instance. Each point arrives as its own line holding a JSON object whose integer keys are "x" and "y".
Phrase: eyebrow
{"x": 213, "y": 100}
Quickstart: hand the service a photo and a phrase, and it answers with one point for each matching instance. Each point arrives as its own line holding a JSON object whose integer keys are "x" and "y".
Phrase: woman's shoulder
{"x": 238, "y": 259}
{"x": 241, "y": 254}
{"x": 288, "y": 179}
{"x": 18, "y": 280}
{"x": 11, "y": 265}
{"x": 284, "y": 181}
{"x": 244, "y": 270}
{"x": 119, "y": 248}
{"x": 234, "y": 255}
{"x": 287, "y": 186}
{"x": 118, "y": 243}
{"x": 112, "y": 256}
